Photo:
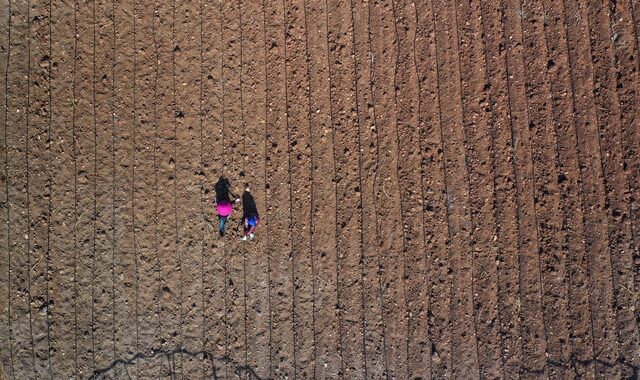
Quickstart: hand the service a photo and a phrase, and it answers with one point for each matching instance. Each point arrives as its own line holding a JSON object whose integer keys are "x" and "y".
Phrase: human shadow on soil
{"x": 242, "y": 371}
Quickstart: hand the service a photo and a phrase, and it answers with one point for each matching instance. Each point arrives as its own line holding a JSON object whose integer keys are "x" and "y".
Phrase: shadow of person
{"x": 222, "y": 190}
{"x": 250, "y": 217}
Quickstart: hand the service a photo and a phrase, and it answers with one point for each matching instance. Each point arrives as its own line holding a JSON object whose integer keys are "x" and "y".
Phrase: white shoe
{"x": 244, "y": 238}
{"x": 251, "y": 235}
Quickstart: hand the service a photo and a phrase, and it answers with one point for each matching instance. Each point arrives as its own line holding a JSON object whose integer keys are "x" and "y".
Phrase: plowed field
{"x": 447, "y": 189}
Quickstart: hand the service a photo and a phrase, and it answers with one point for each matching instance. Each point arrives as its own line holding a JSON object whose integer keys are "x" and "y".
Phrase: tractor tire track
{"x": 212, "y": 167}
{"x": 124, "y": 126}
{"x": 479, "y": 152}
{"x": 253, "y": 66}
{"x": 546, "y": 174}
{"x": 145, "y": 196}
{"x": 233, "y": 160}
{"x": 170, "y": 263}
{"x": 593, "y": 191}
{"x": 103, "y": 247}
{"x": 434, "y": 193}
{"x": 16, "y": 135}
{"x": 62, "y": 247}
{"x": 186, "y": 111}
{"x": 463, "y": 342}
{"x": 580, "y": 334}
{"x": 39, "y": 189}
{"x": 84, "y": 149}
{"x": 323, "y": 211}
{"x": 530, "y": 305}
{"x": 342, "y": 95}
{"x": 374, "y": 345}
{"x": 505, "y": 195}
{"x": 300, "y": 158}
{"x": 616, "y": 185}
{"x": 278, "y": 213}
{"x": 383, "y": 46}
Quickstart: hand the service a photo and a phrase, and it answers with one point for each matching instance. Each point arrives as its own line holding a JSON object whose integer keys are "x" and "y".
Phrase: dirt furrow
{"x": 235, "y": 250}
{"x": 188, "y": 180}
{"x": 572, "y": 244}
{"x": 344, "y": 123}
{"x": 393, "y": 266}
{"x": 616, "y": 185}
{"x": 411, "y": 189}
{"x": 38, "y": 182}
{"x": 479, "y": 152}
{"x": 125, "y": 260}
{"x": 504, "y": 188}
{"x": 323, "y": 193}
{"x": 211, "y": 118}
{"x": 102, "y": 287}
{"x": 277, "y": 218}
{"x": 257, "y": 266}
{"x": 374, "y": 344}
{"x": 16, "y": 135}
{"x": 6, "y": 367}
{"x": 463, "y": 340}
{"x": 300, "y": 156}
{"x": 547, "y": 194}
{"x": 623, "y": 36}
{"x": 592, "y": 188}
{"x": 170, "y": 261}
{"x": 434, "y": 194}
{"x": 61, "y": 243}
{"x": 529, "y": 306}
{"x": 84, "y": 197}
{"x": 145, "y": 196}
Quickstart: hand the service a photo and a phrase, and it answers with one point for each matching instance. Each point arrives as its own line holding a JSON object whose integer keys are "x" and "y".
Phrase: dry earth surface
{"x": 448, "y": 189}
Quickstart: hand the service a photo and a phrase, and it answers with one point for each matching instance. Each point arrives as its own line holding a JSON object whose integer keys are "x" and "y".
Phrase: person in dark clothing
{"x": 224, "y": 206}
{"x": 250, "y": 216}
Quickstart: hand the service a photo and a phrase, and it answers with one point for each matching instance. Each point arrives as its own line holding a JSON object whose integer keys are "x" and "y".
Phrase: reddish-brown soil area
{"x": 447, "y": 189}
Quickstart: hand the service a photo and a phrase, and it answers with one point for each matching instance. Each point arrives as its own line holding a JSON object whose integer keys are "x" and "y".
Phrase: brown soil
{"x": 447, "y": 189}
